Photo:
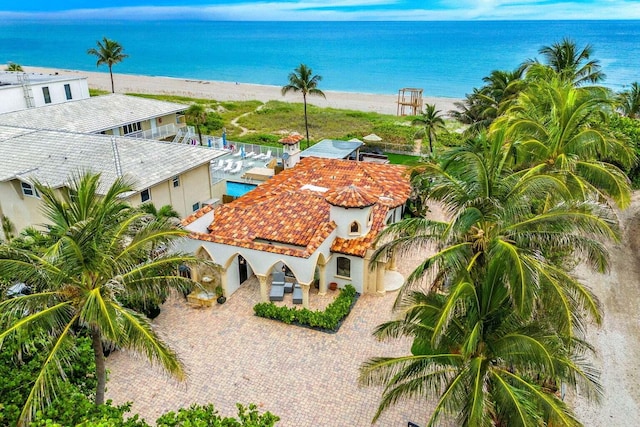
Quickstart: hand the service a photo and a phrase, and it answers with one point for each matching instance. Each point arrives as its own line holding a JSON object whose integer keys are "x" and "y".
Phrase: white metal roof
{"x": 10, "y": 78}
{"x": 52, "y": 157}
{"x": 332, "y": 149}
{"x": 91, "y": 115}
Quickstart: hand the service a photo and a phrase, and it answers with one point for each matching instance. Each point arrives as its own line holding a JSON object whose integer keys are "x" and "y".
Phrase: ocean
{"x": 446, "y": 59}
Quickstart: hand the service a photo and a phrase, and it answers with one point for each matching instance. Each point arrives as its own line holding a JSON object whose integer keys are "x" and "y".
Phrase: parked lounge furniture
{"x": 297, "y": 294}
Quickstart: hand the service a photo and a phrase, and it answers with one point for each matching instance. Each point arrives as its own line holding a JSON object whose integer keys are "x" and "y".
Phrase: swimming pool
{"x": 237, "y": 189}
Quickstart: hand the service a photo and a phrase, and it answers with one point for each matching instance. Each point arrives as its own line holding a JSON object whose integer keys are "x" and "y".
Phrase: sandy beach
{"x": 232, "y": 91}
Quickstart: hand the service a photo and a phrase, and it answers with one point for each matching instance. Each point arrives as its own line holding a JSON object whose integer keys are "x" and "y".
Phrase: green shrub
{"x": 207, "y": 416}
{"x": 329, "y": 319}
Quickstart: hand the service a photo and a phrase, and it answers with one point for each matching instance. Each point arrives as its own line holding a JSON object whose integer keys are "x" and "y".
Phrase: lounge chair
{"x": 229, "y": 166}
{"x": 277, "y": 293}
{"x": 219, "y": 165}
{"x": 277, "y": 278}
{"x": 237, "y": 153}
{"x": 237, "y": 168}
{"x": 288, "y": 287}
{"x": 250, "y": 154}
{"x": 297, "y": 294}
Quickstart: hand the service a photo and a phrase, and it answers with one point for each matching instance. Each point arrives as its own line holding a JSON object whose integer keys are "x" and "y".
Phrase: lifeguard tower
{"x": 409, "y": 101}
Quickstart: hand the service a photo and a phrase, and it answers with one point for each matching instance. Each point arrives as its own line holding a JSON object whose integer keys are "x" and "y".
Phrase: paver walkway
{"x": 308, "y": 378}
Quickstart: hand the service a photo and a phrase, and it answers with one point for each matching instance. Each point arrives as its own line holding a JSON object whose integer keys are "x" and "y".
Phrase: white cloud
{"x": 319, "y": 10}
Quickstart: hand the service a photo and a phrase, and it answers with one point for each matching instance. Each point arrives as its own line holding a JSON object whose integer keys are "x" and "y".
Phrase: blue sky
{"x": 275, "y": 10}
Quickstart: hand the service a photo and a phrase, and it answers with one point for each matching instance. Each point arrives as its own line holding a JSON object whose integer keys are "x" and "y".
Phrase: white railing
{"x": 160, "y": 132}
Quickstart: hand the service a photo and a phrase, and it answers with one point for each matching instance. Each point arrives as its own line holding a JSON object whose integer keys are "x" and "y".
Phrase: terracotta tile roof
{"x": 281, "y": 216}
{"x": 197, "y": 214}
{"x": 350, "y": 197}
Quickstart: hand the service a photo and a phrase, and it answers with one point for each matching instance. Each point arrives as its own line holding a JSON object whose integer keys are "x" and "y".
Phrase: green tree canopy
{"x": 109, "y": 52}
{"x": 97, "y": 257}
{"x": 303, "y": 80}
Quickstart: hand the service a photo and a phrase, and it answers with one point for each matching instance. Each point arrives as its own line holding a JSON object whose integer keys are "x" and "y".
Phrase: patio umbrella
{"x": 242, "y": 153}
{"x": 224, "y": 137}
{"x": 372, "y": 138}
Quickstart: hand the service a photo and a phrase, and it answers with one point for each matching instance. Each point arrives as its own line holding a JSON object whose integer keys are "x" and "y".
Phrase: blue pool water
{"x": 237, "y": 189}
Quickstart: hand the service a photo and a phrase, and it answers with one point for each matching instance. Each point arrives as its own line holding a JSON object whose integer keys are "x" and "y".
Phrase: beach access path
{"x": 230, "y": 91}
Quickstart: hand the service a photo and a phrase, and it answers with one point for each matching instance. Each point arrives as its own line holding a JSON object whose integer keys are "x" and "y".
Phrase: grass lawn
{"x": 403, "y": 159}
{"x": 267, "y": 124}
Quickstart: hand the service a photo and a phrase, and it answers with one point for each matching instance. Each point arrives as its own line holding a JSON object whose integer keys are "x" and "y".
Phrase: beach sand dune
{"x": 231, "y": 91}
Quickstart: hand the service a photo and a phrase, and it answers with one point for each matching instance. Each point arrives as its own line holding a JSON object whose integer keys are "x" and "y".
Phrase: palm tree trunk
{"x": 199, "y": 133}
{"x": 306, "y": 123}
{"x": 430, "y": 145}
{"x": 101, "y": 372}
{"x": 113, "y": 90}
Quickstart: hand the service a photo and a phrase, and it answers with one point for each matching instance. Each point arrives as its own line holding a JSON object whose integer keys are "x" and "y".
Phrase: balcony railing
{"x": 160, "y": 132}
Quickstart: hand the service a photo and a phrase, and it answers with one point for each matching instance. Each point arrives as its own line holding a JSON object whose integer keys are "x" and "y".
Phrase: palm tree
{"x": 500, "y": 319}
{"x": 490, "y": 367}
{"x": 558, "y": 128}
{"x": 432, "y": 122}
{"x": 303, "y": 80}
{"x": 8, "y": 228}
{"x": 571, "y": 63}
{"x": 480, "y": 108}
{"x": 12, "y": 66}
{"x": 198, "y": 114}
{"x": 165, "y": 212}
{"x": 630, "y": 101}
{"x": 98, "y": 257}
{"x": 109, "y": 52}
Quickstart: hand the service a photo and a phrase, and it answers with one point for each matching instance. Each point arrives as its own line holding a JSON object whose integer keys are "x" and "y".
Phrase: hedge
{"x": 328, "y": 320}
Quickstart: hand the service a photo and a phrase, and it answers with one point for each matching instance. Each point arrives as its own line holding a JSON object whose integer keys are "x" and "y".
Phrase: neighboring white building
{"x": 19, "y": 91}
{"x": 113, "y": 114}
{"x": 320, "y": 219}
{"x": 162, "y": 173}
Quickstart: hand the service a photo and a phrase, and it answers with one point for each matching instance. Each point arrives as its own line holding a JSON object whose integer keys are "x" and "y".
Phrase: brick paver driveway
{"x": 308, "y": 378}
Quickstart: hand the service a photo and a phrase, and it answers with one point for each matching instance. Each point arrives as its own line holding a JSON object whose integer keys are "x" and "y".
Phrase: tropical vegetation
{"x": 327, "y": 320}
{"x": 496, "y": 318}
{"x": 109, "y": 52}
{"x": 432, "y": 122}
{"x": 93, "y": 256}
{"x": 12, "y": 66}
{"x": 304, "y": 81}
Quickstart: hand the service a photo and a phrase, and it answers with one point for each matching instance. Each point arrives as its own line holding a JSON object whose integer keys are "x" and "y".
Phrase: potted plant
{"x": 220, "y": 294}
{"x": 333, "y": 286}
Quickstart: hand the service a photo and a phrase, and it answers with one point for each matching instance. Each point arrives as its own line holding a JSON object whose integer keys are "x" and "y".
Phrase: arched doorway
{"x": 243, "y": 271}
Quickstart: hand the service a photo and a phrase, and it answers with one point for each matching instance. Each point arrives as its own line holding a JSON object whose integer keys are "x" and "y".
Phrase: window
{"x": 29, "y": 190}
{"x": 176, "y": 181}
{"x": 354, "y": 228}
{"x": 132, "y": 127}
{"x": 47, "y": 95}
{"x": 145, "y": 195}
{"x": 344, "y": 266}
{"x": 67, "y": 91}
{"x": 195, "y": 206}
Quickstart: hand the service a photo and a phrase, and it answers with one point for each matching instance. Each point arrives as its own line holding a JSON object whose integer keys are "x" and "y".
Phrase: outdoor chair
{"x": 288, "y": 287}
{"x": 277, "y": 278}
{"x": 297, "y": 294}
{"x": 277, "y": 293}
{"x": 237, "y": 168}
{"x": 219, "y": 165}
{"x": 229, "y": 166}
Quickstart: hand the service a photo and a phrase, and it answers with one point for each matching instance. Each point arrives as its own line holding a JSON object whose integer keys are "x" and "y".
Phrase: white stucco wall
{"x": 344, "y": 217}
{"x": 13, "y": 96}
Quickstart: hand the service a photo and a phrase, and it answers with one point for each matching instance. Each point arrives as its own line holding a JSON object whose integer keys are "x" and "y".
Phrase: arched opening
{"x": 354, "y": 228}
{"x": 283, "y": 282}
